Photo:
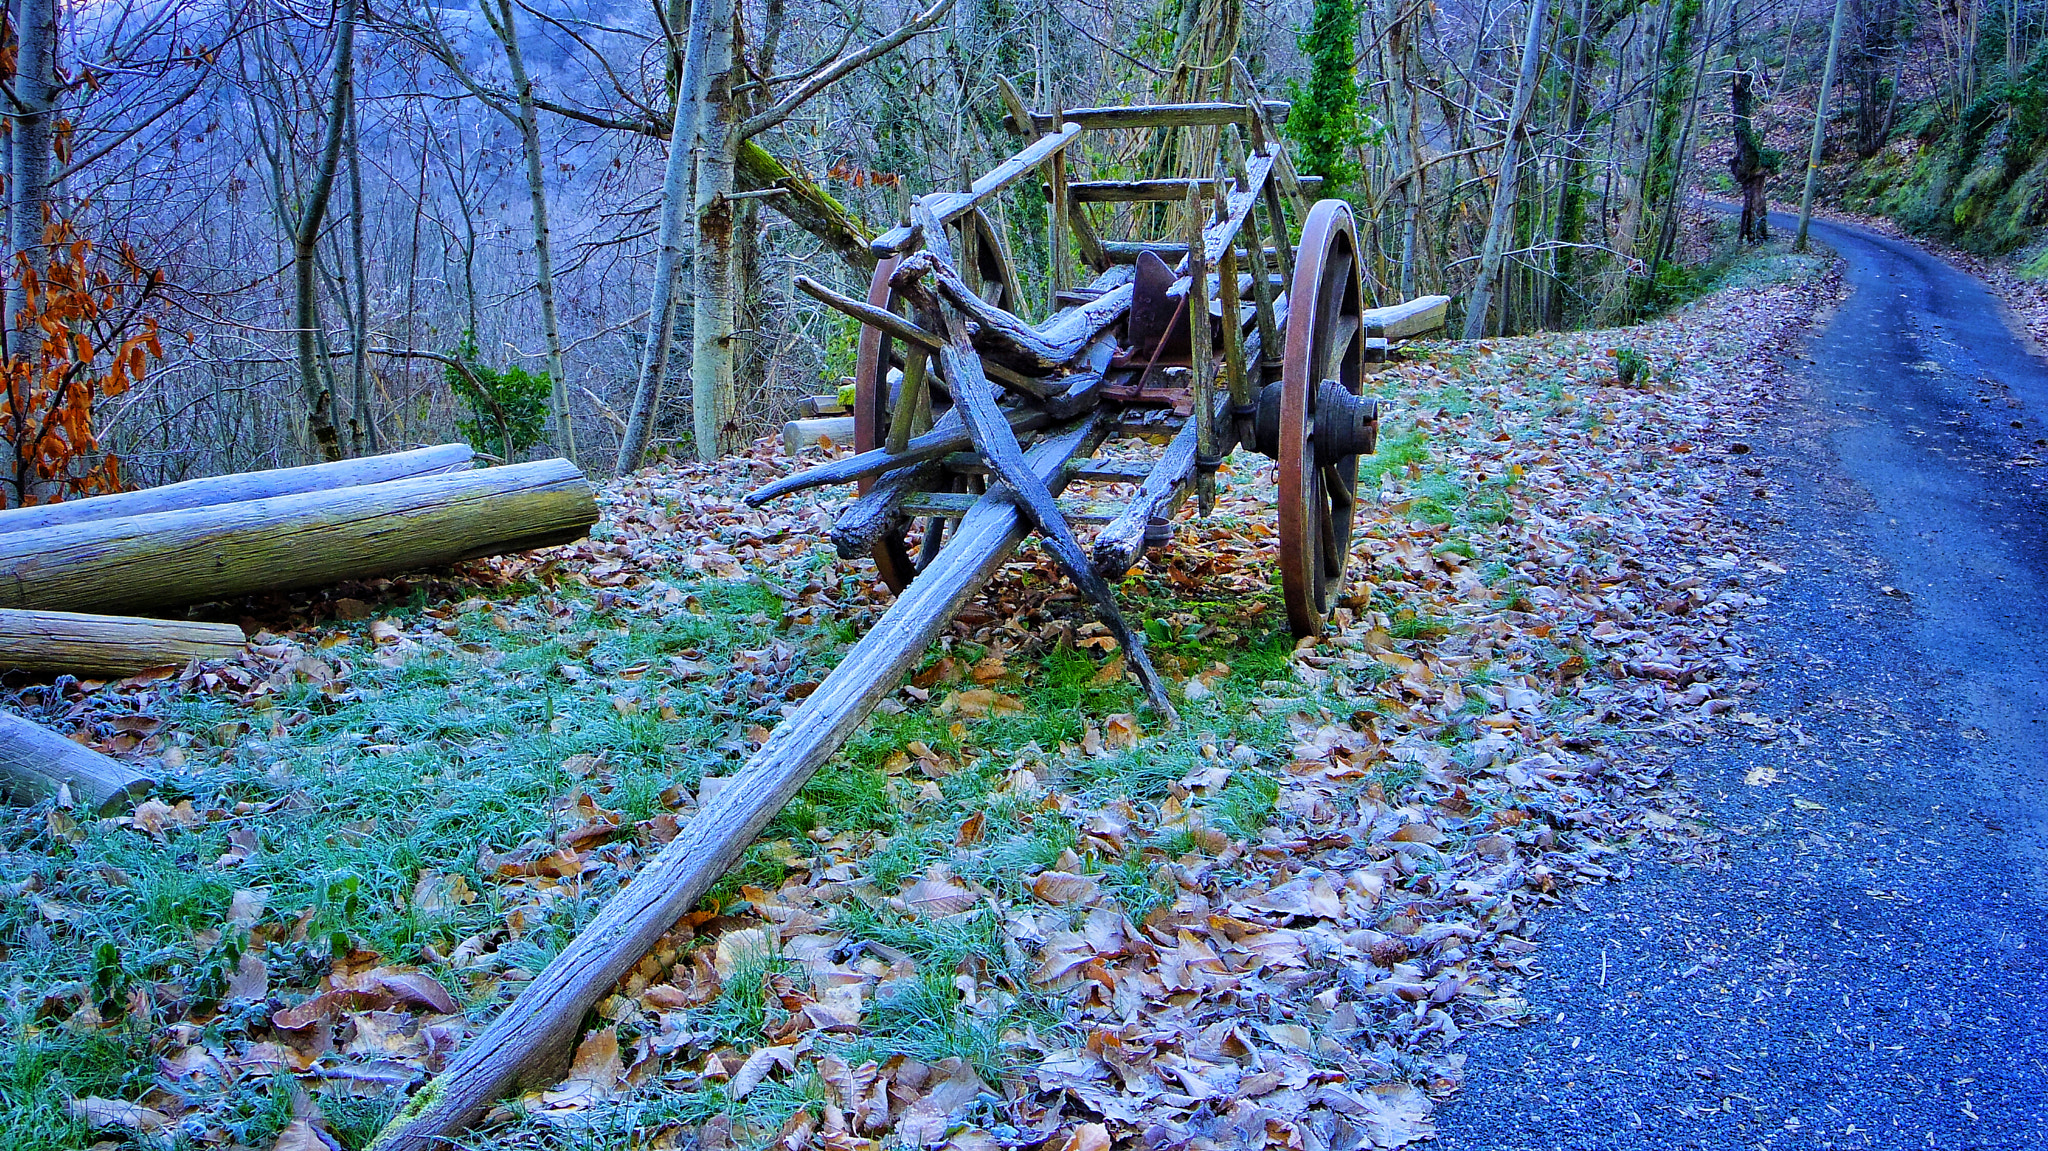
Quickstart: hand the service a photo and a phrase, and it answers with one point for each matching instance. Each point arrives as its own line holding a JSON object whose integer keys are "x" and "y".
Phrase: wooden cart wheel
{"x": 899, "y": 556}
{"x": 1325, "y": 351}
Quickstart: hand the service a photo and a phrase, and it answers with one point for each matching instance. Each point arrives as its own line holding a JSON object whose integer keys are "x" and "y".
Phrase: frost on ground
{"x": 1011, "y": 913}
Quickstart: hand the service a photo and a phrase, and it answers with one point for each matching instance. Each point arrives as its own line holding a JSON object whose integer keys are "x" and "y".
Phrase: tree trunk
{"x": 313, "y": 383}
{"x": 675, "y": 186}
{"x": 1500, "y": 226}
{"x": 711, "y": 324}
{"x": 30, "y": 208}
{"x": 543, "y": 254}
{"x": 1568, "y": 227}
{"x": 226, "y": 550}
{"x": 1747, "y": 164}
{"x": 362, "y": 420}
{"x": 33, "y": 124}
{"x": 1820, "y": 127}
{"x": 35, "y": 763}
{"x": 242, "y": 486}
{"x": 108, "y": 645}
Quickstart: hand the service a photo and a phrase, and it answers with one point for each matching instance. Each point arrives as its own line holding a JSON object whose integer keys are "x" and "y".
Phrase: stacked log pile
{"x": 229, "y": 536}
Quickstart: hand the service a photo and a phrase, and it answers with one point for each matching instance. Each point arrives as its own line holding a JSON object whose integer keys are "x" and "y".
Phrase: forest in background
{"x": 253, "y": 234}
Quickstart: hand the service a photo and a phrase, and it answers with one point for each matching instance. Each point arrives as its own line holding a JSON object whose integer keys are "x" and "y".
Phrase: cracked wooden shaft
{"x": 529, "y": 1042}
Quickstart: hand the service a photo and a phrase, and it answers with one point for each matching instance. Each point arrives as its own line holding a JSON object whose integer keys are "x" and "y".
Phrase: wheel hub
{"x": 1345, "y": 425}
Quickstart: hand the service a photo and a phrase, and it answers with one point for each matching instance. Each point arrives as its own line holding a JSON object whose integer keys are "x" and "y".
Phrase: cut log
{"x": 800, "y": 434}
{"x": 1419, "y": 315}
{"x": 302, "y": 540}
{"x": 530, "y": 1039}
{"x": 108, "y": 645}
{"x": 243, "y": 486}
{"x": 35, "y": 762}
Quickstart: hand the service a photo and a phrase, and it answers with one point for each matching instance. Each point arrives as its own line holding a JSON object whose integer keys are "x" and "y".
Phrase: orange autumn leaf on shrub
{"x": 82, "y": 336}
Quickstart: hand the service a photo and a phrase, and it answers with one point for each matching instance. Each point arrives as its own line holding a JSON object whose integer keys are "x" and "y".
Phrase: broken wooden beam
{"x": 243, "y": 486}
{"x": 37, "y": 764}
{"x": 103, "y": 646}
{"x": 906, "y": 331}
{"x": 974, "y": 398}
{"x": 529, "y": 1041}
{"x": 306, "y": 539}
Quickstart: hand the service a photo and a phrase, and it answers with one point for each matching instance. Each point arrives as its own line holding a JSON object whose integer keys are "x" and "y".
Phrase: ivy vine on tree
{"x": 1323, "y": 124}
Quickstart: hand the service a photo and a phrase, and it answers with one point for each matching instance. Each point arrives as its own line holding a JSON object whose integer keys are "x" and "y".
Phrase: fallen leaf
{"x": 1061, "y": 888}
{"x": 99, "y": 1112}
{"x": 980, "y": 702}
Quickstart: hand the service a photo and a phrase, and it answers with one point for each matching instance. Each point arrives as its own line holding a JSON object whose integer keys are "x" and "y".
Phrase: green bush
{"x": 508, "y": 406}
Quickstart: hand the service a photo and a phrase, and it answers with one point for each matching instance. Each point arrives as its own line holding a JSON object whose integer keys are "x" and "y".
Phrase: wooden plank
{"x": 36, "y": 763}
{"x": 1125, "y": 252}
{"x": 532, "y": 1036}
{"x": 1147, "y": 191}
{"x": 1056, "y": 278}
{"x": 950, "y": 206}
{"x": 948, "y": 437}
{"x": 957, "y": 503}
{"x": 300, "y": 540}
{"x": 240, "y": 486}
{"x": 104, "y": 646}
{"x": 1149, "y": 116}
{"x": 1199, "y": 350}
{"x": 1095, "y": 471}
{"x": 1401, "y": 321}
{"x": 1119, "y": 545}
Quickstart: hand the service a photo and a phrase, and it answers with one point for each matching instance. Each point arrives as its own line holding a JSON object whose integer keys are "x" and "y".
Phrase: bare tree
{"x": 314, "y": 380}
{"x": 1478, "y": 300}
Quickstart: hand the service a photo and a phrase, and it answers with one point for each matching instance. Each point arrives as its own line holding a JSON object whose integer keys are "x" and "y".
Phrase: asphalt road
{"x": 1870, "y": 969}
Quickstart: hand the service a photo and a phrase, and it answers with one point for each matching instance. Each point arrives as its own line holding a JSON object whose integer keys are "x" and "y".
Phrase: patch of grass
{"x": 1246, "y": 804}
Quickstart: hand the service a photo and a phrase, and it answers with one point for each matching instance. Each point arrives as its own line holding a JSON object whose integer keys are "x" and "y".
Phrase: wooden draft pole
{"x": 35, "y": 763}
{"x": 1820, "y": 127}
{"x": 529, "y": 1041}
{"x": 303, "y": 540}
{"x": 244, "y": 486}
{"x": 108, "y": 645}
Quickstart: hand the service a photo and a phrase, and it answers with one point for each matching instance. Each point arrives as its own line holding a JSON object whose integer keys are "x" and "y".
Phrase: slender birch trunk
{"x": 691, "y": 91}
{"x": 1480, "y": 298}
{"x": 711, "y": 266}
{"x": 1820, "y": 127}
{"x": 34, "y": 119}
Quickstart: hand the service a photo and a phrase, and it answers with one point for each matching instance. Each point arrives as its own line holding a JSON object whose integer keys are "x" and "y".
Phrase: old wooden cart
{"x": 968, "y": 421}
{"x": 1209, "y": 342}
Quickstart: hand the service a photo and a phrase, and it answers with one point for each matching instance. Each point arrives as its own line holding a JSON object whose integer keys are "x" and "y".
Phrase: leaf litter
{"x": 1270, "y": 928}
